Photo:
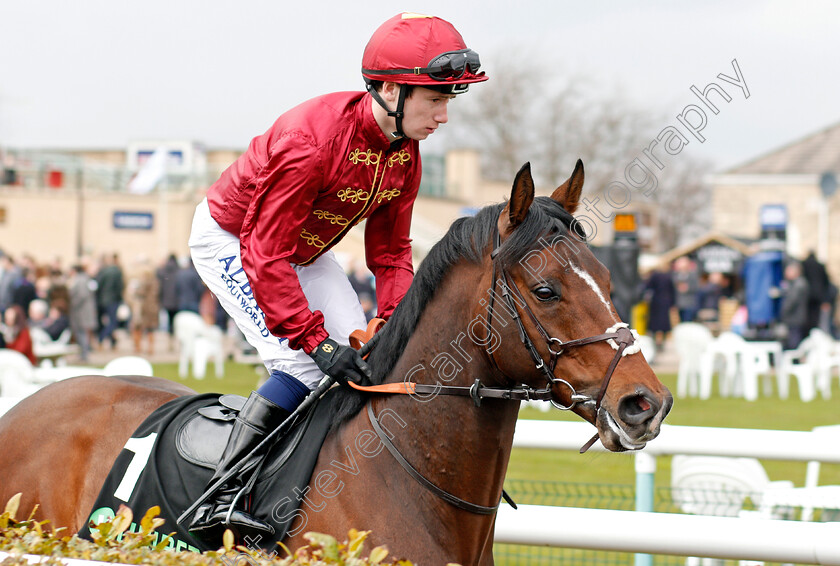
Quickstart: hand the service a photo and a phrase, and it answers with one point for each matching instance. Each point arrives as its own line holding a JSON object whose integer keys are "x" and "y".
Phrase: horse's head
{"x": 544, "y": 273}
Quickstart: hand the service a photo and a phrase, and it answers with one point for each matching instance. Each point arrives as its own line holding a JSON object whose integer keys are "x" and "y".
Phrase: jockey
{"x": 261, "y": 239}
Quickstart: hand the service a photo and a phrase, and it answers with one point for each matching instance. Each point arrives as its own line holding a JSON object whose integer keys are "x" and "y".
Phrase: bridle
{"x": 619, "y": 336}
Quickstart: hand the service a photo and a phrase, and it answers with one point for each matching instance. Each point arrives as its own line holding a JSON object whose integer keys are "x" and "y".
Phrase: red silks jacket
{"x": 323, "y": 167}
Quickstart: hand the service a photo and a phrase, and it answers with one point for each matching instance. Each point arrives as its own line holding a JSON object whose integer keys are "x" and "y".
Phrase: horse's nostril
{"x": 637, "y": 409}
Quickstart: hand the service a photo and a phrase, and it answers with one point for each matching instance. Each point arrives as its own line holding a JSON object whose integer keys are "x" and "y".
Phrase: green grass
{"x": 240, "y": 379}
{"x": 599, "y": 467}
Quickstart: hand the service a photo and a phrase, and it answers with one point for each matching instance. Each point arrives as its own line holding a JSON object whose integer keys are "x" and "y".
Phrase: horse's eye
{"x": 545, "y": 293}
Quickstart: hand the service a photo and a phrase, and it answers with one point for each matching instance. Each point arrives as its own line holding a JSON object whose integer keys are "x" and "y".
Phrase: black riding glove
{"x": 340, "y": 362}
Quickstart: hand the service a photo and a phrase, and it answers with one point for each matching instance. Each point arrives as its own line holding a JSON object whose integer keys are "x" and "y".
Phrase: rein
{"x": 422, "y": 480}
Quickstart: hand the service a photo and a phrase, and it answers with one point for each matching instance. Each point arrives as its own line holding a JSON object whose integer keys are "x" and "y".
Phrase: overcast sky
{"x": 100, "y": 73}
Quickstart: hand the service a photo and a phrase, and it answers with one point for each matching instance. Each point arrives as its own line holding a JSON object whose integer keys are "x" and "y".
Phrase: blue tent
{"x": 762, "y": 275}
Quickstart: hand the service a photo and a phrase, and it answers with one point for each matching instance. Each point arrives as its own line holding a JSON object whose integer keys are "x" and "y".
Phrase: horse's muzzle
{"x": 634, "y": 420}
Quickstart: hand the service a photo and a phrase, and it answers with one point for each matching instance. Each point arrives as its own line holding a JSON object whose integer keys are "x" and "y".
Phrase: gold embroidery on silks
{"x": 312, "y": 239}
{"x": 387, "y": 194}
{"x": 353, "y": 195}
{"x": 402, "y": 156}
{"x": 333, "y": 218}
{"x": 376, "y": 194}
{"x": 367, "y": 157}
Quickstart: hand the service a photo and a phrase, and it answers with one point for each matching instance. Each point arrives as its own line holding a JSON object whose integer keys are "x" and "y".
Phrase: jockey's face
{"x": 425, "y": 110}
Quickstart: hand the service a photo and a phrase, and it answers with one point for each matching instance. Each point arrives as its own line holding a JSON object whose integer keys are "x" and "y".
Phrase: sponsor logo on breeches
{"x": 240, "y": 289}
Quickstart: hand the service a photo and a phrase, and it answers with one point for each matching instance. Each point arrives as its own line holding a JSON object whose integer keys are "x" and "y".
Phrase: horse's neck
{"x": 461, "y": 448}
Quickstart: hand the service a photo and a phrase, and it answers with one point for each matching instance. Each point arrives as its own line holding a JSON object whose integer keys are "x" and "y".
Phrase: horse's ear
{"x": 568, "y": 194}
{"x": 521, "y": 197}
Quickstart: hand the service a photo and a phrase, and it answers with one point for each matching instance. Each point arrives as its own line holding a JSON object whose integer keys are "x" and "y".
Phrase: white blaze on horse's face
{"x": 594, "y": 286}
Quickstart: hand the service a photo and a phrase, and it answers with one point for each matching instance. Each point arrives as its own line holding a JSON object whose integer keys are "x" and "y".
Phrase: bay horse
{"x": 509, "y": 305}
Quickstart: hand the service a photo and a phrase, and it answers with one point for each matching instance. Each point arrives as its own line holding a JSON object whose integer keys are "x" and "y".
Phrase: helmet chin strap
{"x": 396, "y": 114}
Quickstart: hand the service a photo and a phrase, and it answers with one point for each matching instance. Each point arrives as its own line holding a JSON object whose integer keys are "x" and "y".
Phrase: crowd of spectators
{"x": 806, "y": 296}
{"x": 87, "y": 302}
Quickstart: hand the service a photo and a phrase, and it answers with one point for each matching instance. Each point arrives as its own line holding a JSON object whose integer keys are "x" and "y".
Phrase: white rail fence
{"x": 674, "y": 534}
{"x": 670, "y": 534}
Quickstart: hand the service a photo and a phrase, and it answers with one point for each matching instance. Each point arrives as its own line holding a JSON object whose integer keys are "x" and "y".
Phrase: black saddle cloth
{"x": 171, "y": 456}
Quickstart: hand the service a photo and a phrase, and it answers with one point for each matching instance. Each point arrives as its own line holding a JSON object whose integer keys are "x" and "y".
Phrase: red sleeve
{"x": 285, "y": 191}
{"x": 388, "y": 249}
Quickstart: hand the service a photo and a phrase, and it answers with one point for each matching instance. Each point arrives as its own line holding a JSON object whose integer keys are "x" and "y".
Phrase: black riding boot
{"x": 258, "y": 417}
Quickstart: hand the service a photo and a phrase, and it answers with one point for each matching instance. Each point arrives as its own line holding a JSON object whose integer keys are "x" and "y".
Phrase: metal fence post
{"x": 645, "y": 469}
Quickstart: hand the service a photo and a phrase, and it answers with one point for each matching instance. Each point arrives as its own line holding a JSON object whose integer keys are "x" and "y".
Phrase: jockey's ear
{"x": 521, "y": 197}
{"x": 568, "y": 194}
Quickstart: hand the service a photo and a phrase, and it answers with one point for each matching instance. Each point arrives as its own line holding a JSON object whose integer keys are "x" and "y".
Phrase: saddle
{"x": 202, "y": 437}
{"x": 181, "y": 443}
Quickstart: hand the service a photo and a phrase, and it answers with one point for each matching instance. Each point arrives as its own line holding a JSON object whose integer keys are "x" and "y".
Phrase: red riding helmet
{"x": 421, "y": 50}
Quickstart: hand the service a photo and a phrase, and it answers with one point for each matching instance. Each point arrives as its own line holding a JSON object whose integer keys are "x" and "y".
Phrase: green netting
{"x": 593, "y": 496}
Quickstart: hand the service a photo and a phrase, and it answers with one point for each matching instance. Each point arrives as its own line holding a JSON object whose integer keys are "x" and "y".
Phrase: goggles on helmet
{"x": 447, "y": 66}
{"x": 453, "y": 65}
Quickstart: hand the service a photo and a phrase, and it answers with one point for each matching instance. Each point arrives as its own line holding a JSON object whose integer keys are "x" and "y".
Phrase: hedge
{"x": 112, "y": 543}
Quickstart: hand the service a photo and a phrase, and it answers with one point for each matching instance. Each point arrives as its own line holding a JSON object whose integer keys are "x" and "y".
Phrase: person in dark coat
{"x": 189, "y": 287}
{"x": 109, "y": 296}
{"x": 794, "y": 313}
{"x": 818, "y": 290}
{"x": 832, "y": 311}
{"x": 24, "y": 290}
{"x": 660, "y": 295}
{"x": 167, "y": 275}
{"x": 82, "y": 309}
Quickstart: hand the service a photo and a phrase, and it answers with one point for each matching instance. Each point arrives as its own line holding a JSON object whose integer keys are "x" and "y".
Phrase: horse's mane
{"x": 467, "y": 238}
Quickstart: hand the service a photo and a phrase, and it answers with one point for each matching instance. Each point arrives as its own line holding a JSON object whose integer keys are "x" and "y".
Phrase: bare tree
{"x": 683, "y": 200}
{"x": 523, "y": 115}
{"x": 499, "y": 120}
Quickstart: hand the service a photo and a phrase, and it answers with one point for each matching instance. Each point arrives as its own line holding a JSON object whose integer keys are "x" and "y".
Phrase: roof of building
{"x": 814, "y": 154}
{"x": 729, "y": 241}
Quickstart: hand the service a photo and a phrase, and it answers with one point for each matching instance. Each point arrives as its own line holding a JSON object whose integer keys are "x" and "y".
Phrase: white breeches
{"x": 216, "y": 255}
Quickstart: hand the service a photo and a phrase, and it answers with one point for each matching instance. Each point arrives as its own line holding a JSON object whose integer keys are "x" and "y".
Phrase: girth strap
{"x": 443, "y": 494}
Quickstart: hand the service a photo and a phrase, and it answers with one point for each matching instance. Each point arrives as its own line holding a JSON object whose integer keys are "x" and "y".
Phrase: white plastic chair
{"x": 717, "y": 486}
{"x": 713, "y": 485}
{"x": 743, "y": 364}
{"x": 40, "y": 336}
{"x": 753, "y": 363}
{"x": 723, "y": 349}
{"x": 798, "y": 363}
{"x": 825, "y": 358}
{"x": 198, "y": 342}
{"x": 831, "y": 436}
{"x": 128, "y": 365}
{"x": 16, "y": 373}
{"x": 188, "y": 327}
{"x": 52, "y": 352}
{"x": 691, "y": 340}
{"x": 210, "y": 345}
